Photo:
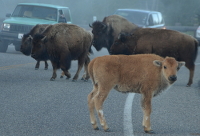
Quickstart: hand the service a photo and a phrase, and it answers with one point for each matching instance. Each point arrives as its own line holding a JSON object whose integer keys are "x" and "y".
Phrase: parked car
{"x": 197, "y": 36}
{"x": 26, "y": 16}
{"x": 143, "y": 18}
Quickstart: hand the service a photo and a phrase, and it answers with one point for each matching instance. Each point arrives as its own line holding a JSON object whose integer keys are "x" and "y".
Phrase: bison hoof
{"x": 36, "y": 68}
{"x": 85, "y": 80}
{"x": 61, "y": 76}
{"x": 150, "y": 132}
{"x": 107, "y": 130}
{"x": 96, "y": 128}
{"x": 74, "y": 80}
{"x": 45, "y": 68}
{"x": 188, "y": 85}
{"x": 52, "y": 79}
{"x": 82, "y": 78}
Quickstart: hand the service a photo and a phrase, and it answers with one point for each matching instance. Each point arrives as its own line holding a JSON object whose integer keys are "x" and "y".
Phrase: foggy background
{"x": 175, "y": 12}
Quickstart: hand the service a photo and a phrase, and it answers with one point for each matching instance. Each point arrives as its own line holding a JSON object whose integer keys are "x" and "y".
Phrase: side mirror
{"x": 8, "y": 15}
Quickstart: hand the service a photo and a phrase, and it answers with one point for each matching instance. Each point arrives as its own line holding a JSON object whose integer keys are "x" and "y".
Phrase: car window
{"x": 35, "y": 12}
{"x": 153, "y": 19}
{"x": 160, "y": 18}
{"x": 67, "y": 14}
{"x": 138, "y": 18}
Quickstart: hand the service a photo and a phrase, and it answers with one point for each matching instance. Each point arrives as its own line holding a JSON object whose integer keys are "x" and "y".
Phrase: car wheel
{"x": 3, "y": 46}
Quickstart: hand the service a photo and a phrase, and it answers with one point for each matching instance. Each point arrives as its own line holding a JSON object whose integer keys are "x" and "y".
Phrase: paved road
{"x": 32, "y": 105}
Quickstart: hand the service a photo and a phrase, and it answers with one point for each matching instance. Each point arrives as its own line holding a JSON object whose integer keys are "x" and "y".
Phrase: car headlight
{"x": 6, "y": 27}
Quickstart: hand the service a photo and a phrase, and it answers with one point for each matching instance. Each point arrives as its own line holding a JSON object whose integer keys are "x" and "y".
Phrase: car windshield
{"x": 35, "y": 12}
{"x": 136, "y": 17}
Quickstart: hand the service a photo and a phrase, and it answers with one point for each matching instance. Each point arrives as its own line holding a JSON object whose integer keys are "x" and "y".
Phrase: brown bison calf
{"x": 162, "y": 42}
{"x": 146, "y": 74}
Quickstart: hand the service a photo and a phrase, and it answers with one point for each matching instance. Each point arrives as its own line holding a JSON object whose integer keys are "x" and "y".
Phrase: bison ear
{"x": 157, "y": 63}
{"x": 44, "y": 39}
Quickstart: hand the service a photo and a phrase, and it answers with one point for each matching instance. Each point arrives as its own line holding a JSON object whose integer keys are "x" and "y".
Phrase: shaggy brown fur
{"x": 64, "y": 43}
{"x": 161, "y": 42}
{"x": 26, "y": 44}
{"x": 146, "y": 74}
{"x": 107, "y": 31}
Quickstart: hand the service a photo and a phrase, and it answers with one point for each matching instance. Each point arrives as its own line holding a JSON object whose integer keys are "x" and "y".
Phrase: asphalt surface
{"x": 32, "y": 105}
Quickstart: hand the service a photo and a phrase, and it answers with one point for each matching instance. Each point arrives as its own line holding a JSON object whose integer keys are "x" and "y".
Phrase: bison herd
{"x": 141, "y": 60}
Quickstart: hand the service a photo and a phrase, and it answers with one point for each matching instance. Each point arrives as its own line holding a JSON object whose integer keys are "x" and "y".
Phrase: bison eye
{"x": 165, "y": 67}
{"x": 178, "y": 68}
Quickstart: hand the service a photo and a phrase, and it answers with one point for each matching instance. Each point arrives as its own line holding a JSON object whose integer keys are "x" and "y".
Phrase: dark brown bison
{"x": 107, "y": 31}
{"x": 63, "y": 43}
{"x": 26, "y": 44}
{"x": 147, "y": 74}
{"x": 162, "y": 42}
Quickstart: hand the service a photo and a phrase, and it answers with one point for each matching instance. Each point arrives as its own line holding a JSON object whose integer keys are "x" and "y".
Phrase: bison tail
{"x": 196, "y": 49}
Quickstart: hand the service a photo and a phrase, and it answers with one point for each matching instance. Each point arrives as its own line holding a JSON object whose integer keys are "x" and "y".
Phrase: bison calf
{"x": 146, "y": 74}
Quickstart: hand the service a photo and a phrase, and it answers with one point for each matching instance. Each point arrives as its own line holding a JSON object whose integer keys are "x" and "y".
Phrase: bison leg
{"x": 91, "y": 107}
{"x": 67, "y": 74}
{"x": 37, "y": 65}
{"x": 86, "y": 75}
{"x": 98, "y": 102}
{"x": 46, "y": 65}
{"x": 191, "y": 68}
{"x": 62, "y": 74}
{"x": 55, "y": 67}
{"x": 81, "y": 61}
{"x": 146, "y": 107}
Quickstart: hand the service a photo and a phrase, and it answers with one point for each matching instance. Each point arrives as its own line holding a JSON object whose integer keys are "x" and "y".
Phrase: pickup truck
{"x": 25, "y": 16}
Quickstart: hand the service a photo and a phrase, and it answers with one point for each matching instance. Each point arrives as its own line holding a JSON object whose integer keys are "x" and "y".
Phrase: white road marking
{"x": 128, "y": 126}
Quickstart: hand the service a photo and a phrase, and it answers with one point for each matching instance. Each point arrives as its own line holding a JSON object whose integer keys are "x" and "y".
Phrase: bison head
{"x": 169, "y": 67}
{"x": 122, "y": 44}
{"x": 100, "y": 35}
{"x": 26, "y": 44}
{"x": 38, "y": 49}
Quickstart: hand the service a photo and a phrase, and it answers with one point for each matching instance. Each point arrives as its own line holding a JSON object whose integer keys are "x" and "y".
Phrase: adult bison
{"x": 63, "y": 43}
{"x": 162, "y": 42}
{"x": 107, "y": 31}
{"x": 26, "y": 44}
{"x": 147, "y": 74}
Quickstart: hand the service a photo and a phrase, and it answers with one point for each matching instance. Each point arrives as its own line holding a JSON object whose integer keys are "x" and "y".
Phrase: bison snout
{"x": 173, "y": 78}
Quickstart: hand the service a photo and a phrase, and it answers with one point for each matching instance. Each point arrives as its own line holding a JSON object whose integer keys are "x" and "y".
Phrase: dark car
{"x": 143, "y": 18}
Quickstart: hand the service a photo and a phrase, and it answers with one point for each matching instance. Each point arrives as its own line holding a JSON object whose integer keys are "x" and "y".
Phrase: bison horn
{"x": 90, "y": 26}
{"x": 104, "y": 26}
{"x": 30, "y": 37}
{"x": 43, "y": 39}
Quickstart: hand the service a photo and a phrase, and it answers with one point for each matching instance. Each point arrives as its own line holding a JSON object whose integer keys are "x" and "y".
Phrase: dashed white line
{"x": 128, "y": 126}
